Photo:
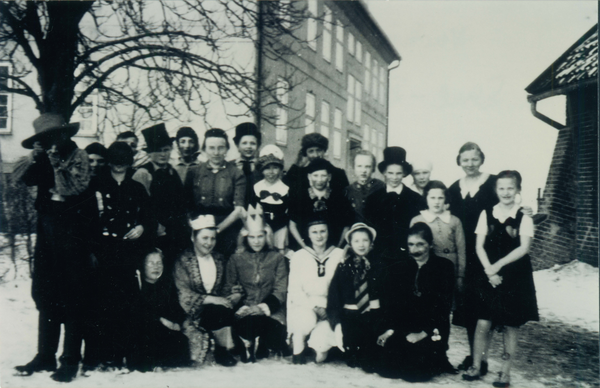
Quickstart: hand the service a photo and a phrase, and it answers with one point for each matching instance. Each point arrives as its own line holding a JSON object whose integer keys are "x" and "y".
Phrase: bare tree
{"x": 146, "y": 60}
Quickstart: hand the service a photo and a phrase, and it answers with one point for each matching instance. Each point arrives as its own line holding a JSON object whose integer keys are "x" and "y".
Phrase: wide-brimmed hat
{"x": 47, "y": 127}
{"x": 156, "y": 137}
{"x": 395, "y": 155}
{"x": 203, "y": 221}
{"x": 270, "y": 154}
{"x": 358, "y": 226}
{"x": 246, "y": 129}
{"x": 314, "y": 140}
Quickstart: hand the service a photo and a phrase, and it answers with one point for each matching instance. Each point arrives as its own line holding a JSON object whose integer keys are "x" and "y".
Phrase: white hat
{"x": 203, "y": 222}
{"x": 421, "y": 165}
{"x": 358, "y": 226}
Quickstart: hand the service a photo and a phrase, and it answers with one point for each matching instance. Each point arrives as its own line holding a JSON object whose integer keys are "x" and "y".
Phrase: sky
{"x": 464, "y": 68}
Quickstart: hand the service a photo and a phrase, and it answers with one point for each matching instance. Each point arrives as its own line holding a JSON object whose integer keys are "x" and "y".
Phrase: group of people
{"x": 150, "y": 260}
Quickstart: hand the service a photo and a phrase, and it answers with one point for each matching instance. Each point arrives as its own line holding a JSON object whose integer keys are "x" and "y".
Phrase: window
{"x": 337, "y": 134}
{"x": 366, "y": 133}
{"x": 357, "y": 103}
{"x": 359, "y": 51}
{"x": 375, "y": 79}
{"x": 282, "y": 113}
{"x": 309, "y": 120}
{"x": 381, "y": 140}
{"x": 86, "y": 115}
{"x": 328, "y": 20}
{"x": 351, "y": 43}
{"x": 350, "y": 101}
{"x": 382, "y": 85}
{"x": 325, "y": 119}
{"x": 311, "y": 34}
{"x": 367, "y": 72}
{"x": 5, "y": 100}
{"x": 339, "y": 46}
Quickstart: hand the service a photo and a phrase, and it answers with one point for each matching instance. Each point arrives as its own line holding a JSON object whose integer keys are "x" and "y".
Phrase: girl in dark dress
{"x": 468, "y": 196}
{"x": 507, "y": 298}
{"x": 156, "y": 320}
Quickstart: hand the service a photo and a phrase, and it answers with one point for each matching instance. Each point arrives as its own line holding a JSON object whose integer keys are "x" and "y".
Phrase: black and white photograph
{"x": 306, "y": 193}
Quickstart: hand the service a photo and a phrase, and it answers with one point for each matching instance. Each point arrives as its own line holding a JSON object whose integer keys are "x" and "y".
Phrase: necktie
{"x": 247, "y": 167}
{"x": 362, "y": 297}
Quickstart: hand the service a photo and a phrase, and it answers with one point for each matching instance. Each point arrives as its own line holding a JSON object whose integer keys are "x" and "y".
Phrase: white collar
{"x": 502, "y": 215}
{"x": 474, "y": 188}
{"x": 277, "y": 187}
{"x": 430, "y": 217}
{"x": 416, "y": 189}
{"x": 397, "y": 190}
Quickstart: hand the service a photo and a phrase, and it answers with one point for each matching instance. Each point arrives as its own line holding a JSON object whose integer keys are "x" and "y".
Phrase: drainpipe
{"x": 259, "y": 64}
{"x": 393, "y": 65}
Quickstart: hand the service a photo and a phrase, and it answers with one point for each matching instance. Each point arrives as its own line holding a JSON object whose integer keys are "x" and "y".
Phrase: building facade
{"x": 570, "y": 200}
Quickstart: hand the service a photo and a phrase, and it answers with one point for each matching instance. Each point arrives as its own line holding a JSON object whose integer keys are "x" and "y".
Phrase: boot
{"x": 247, "y": 354}
{"x": 224, "y": 357}
{"x": 66, "y": 373}
{"x": 262, "y": 350}
{"x": 38, "y": 364}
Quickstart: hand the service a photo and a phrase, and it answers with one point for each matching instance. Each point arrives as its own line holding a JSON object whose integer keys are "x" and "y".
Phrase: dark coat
{"x": 297, "y": 179}
{"x": 390, "y": 214}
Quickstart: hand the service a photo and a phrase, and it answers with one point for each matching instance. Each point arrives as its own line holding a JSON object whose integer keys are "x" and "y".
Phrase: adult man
{"x": 61, "y": 263}
{"x": 417, "y": 302}
{"x": 365, "y": 185}
{"x": 314, "y": 146}
{"x": 188, "y": 148}
{"x": 97, "y": 157}
{"x": 166, "y": 193}
{"x": 247, "y": 140}
{"x": 130, "y": 138}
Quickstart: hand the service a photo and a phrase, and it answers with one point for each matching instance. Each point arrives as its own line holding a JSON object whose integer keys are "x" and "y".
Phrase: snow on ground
{"x": 568, "y": 293}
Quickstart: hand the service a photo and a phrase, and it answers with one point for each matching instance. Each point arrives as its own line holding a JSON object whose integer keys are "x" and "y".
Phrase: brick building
{"x": 570, "y": 198}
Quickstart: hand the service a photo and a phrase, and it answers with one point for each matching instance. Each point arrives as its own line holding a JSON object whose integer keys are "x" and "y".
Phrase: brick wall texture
{"x": 571, "y": 192}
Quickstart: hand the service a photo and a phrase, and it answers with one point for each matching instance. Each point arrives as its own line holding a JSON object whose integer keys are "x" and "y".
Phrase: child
{"x": 448, "y": 234}
{"x": 504, "y": 235}
{"x": 273, "y": 194}
{"x": 353, "y": 299}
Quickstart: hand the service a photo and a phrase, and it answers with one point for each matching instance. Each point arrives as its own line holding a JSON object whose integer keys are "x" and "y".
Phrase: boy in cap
{"x": 189, "y": 149}
{"x": 247, "y": 140}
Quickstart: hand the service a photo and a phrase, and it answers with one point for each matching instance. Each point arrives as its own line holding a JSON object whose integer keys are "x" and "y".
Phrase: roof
{"x": 576, "y": 67}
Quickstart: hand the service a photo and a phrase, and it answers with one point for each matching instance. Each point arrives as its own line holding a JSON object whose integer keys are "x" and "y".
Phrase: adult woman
{"x": 311, "y": 271}
{"x": 156, "y": 319}
{"x": 507, "y": 300}
{"x": 262, "y": 274}
{"x": 218, "y": 188}
{"x": 199, "y": 279}
{"x": 468, "y": 196}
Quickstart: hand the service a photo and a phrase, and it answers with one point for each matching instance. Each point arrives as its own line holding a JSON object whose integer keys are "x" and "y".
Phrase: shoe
{"x": 484, "y": 368}
{"x": 247, "y": 354}
{"x": 224, "y": 357}
{"x": 262, "y": 351}
{"x": 503, "y": 381}
{"x": 471, "y": 375}
{"x": 298, "y": 359}
{"x": 466, "y": 364}
{"x": 38, "y": 364}
{"x": 446, "y": 367}
{"x": 65, "y": 374}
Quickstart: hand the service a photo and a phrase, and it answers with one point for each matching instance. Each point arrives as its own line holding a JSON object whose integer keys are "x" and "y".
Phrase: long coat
{"x": 264, "y": 278}
{"x": 190, "y": 288}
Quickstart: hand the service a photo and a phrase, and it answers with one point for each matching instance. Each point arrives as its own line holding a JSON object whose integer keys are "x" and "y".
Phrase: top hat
{"x": 395, "y": 155}
{"x": 246, "y": 129}
{"x": 156, "y": 137}
{"x": 47, "y": 127}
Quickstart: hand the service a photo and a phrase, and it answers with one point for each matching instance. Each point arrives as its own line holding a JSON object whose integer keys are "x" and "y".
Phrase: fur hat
{"x": 270, "y": 154}
{"x": 319, "y": 164}
{"x": 395, "y": 155}
{"x": 314, "y": 140}
{"x": 246, "y": 129}
{"x": 156, "y": 137}
{"x": 47, "y": 127}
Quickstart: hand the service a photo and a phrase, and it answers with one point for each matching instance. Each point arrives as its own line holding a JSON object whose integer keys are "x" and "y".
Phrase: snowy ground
{"x": 567, "y": 293}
